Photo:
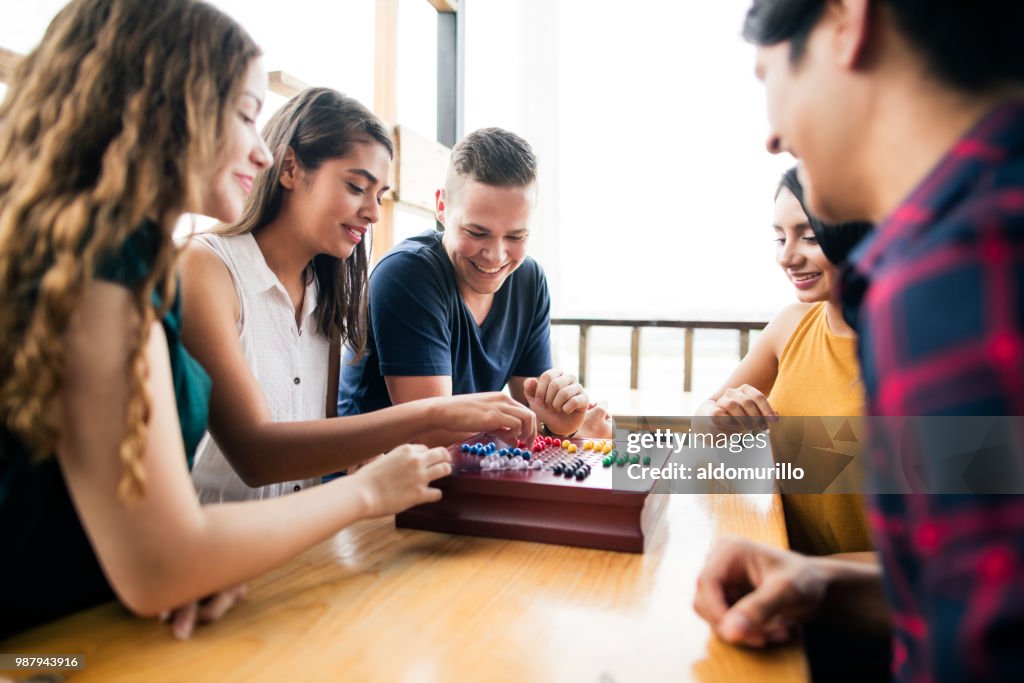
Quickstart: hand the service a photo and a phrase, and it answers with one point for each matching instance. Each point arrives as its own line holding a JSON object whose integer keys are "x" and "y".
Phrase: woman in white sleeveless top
{"x": 277, "y": 349}
{"x": 269, "y": 300}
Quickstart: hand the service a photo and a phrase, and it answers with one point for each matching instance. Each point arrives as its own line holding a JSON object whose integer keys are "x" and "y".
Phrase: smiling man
{"x": 909, "y": 113}
{"x": 467, "y": 310}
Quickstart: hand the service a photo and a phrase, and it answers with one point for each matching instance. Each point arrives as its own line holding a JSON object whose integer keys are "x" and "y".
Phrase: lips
{"x": 245, "y": 181}
{"x": 488, "y": 272}
{"x": 355, "y": 232}
{"x": 805, "y": 280}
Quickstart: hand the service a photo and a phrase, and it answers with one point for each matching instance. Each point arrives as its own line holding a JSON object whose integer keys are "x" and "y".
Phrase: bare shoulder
{"x": 101, "y": 331}
{"x": 197, "y": 262}
{"x": 782, "y": 326}
{"x": 99, "y": 343}
{"x": 205, "y": 279}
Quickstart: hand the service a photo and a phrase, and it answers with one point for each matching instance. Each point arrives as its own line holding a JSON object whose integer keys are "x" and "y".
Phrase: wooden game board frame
{"x": 527, "y": 505}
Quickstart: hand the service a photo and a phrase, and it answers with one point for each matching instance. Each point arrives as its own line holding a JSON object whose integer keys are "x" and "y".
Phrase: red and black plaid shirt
{"x": 937, "y": 298}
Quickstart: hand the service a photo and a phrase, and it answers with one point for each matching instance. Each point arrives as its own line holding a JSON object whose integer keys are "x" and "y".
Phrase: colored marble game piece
{"x": 569, "y": 458}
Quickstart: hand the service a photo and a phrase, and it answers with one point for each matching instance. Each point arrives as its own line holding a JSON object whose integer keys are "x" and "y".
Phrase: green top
{"x": 49, "y": 567}
{"x": 191, "y": 383}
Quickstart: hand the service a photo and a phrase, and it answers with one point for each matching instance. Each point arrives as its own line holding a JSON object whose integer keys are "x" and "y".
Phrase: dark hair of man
{"x": 972, "y": 45}
{"x": 836, "y": 240}
{"x": 494, "y": 156}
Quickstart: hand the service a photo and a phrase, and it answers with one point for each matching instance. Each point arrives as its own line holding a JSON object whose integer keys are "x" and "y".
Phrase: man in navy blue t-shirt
{"x": 466, "y": 310}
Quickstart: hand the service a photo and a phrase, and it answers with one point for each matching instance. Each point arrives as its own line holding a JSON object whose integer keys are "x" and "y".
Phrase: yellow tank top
{"x": 819, "y": 377}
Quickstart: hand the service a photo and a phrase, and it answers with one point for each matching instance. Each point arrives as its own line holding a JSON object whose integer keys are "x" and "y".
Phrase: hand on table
{"x": 184, "y": 619}
{"x": 754, "y": 594}
{"x": 558, "y": 400}
{"x": 739, "y": 409}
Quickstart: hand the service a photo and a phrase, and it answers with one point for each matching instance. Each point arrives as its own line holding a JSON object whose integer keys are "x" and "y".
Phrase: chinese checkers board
{"x": 553, "y": 491}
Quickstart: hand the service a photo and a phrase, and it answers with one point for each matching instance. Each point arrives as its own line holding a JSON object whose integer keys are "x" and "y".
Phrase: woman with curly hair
{"x": 129, "y": 113}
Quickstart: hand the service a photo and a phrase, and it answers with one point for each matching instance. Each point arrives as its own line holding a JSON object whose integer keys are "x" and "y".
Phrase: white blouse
{"x": 290, "y": 363}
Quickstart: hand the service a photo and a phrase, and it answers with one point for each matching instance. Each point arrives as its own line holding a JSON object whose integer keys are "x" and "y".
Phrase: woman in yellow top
{"x": 805, "y": 364}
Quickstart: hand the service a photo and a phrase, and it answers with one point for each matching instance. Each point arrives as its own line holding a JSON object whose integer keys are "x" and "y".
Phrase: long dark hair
{"x": 837, "y": 240}
{"x": 319, "y": 124}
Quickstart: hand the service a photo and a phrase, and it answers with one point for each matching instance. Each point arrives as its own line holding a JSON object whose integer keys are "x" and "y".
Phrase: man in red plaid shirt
{"x": 909, "y": 113}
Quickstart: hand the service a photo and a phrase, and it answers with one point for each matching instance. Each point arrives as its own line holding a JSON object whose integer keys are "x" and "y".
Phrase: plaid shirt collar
{"x": 997, "y": 136}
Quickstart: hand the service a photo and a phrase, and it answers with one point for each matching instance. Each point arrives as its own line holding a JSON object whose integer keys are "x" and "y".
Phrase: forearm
{"x": 272, "y": 452}
{"x": 235, "y": 542}
{"x": 854, "y": 593}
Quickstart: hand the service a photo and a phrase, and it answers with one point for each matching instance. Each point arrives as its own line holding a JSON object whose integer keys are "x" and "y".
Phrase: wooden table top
{"x": 647, "y": 402}
{"x": 649, "y": 409}
{"x": 376, "y": 603}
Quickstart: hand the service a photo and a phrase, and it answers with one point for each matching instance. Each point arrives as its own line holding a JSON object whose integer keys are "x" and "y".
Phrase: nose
{"x": 773, "y": 144}
{"x": 789, "y": 255}
{"x": 261, "y": 154}
{"x": 371, "y": 209}
{"x": 495, "y": 252}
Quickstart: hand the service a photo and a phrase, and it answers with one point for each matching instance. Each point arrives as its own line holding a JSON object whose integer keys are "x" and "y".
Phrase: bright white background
{"x": 656, "y": 190}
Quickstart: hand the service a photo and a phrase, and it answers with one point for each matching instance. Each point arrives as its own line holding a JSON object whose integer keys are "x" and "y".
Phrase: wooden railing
{"x": 688, "y": 326}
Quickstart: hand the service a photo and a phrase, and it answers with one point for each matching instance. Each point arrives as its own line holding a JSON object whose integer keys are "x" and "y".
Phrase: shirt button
{"x": 297, "y": 488}
{"x": 296, "y": 380}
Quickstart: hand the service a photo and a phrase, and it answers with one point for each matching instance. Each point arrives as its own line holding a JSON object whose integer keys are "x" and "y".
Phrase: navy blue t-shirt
{"x": 420, "y": 326}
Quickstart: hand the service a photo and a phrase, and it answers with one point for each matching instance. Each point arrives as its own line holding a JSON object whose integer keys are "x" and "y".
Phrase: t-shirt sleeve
{"x": 536, "y": 357}
{"x": 409, "y": 317}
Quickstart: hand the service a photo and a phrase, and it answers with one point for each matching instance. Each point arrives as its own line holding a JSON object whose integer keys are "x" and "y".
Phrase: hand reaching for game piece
{"x": 464, "y": 415}
{"x": 558, "y": 400}
{"x": 400, "y": 478}
{"x": 184, "y": 619}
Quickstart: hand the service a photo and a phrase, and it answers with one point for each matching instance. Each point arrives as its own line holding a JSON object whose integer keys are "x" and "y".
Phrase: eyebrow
{"x": 369, "y": 176}
{"x": 798, "y": 226}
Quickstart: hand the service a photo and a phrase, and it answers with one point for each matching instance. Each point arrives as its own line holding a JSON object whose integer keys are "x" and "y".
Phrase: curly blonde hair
{"x": 108, "y": 123}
